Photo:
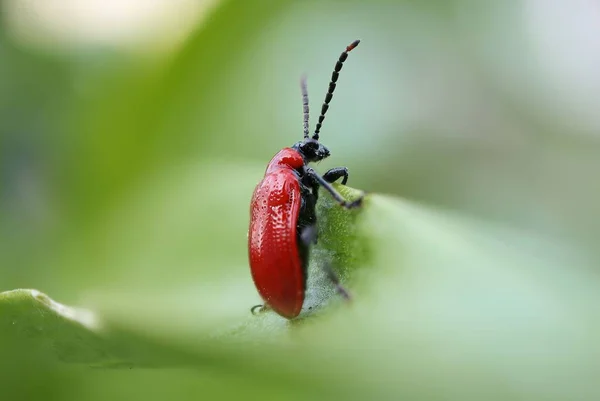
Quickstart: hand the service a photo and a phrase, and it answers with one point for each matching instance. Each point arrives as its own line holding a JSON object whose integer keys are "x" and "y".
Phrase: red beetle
{"x": 283, "y": 217}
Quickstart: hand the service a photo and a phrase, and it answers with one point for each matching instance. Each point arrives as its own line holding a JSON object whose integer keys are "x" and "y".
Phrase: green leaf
{"x": 436, "y": 296}
{"x": 69, "y": 334}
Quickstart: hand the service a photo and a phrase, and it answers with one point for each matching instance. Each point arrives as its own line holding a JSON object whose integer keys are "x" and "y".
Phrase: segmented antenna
{"x": 334, "y": 78}
{"x": 304, "y": 104}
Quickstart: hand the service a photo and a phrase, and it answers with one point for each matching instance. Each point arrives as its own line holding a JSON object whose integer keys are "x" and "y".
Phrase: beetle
{"x": 283, "y": 221}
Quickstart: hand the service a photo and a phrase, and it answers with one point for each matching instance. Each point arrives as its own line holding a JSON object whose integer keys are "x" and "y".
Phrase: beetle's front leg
{"x": 335, "y": 174}
{"x": 336, "y": 195}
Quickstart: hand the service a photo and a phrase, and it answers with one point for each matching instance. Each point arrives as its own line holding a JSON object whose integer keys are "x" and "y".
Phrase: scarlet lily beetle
{"x": 283, "y": 216}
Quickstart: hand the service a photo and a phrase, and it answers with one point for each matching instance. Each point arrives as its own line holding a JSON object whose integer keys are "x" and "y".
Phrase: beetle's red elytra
{"x": 283, "y": 222}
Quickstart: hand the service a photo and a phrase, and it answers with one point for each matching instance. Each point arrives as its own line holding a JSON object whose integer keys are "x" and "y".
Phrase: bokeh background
{"x": 132, "y": 134}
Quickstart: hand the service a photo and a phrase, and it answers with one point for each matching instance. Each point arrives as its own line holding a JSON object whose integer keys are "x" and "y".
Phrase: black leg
{"x": 348, "y": 205}
{"x": 336, "y": 281}
{"x": 309, "y": 235}
{"x": 261, "y": 308}
{"x": 335, "y": 174}
{"x": 258, "y": 309}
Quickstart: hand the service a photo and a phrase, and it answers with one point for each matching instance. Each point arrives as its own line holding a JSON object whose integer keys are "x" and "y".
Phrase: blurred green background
{"x": 132, "y": 134}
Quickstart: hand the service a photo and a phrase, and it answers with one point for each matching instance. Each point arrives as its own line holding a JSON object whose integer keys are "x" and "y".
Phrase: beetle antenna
{"x": 334, "y": 78}
{"x": 304, "y": 104}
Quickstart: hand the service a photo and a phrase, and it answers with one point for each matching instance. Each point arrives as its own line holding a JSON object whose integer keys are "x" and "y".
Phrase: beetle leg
{"x": 309, "y": 235}
{"x": 348, "y": 205}
{"x": 335, "y": 174}
{"x": 261, "y": 308}
{"x": 333, "y": 277}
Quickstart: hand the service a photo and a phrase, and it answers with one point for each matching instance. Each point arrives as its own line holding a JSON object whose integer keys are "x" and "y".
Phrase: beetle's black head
{"x": 312, "y": 150}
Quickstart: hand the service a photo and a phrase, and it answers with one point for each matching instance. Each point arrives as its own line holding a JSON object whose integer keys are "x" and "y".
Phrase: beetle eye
{"x": 312, "y": 145}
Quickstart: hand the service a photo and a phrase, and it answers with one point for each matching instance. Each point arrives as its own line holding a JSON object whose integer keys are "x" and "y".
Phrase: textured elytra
{"x": 276, "y": 266}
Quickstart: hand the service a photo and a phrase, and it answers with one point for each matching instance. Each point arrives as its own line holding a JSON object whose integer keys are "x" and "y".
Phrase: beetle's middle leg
{"x": 308, "y": 235}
